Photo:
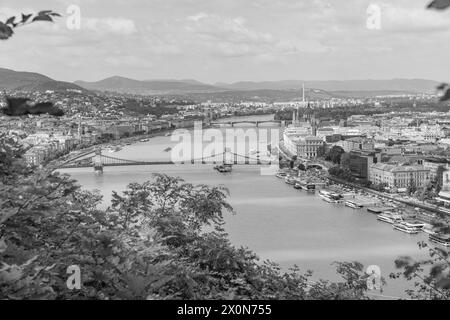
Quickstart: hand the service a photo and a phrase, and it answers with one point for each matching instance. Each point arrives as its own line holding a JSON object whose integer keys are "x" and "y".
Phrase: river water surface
{"x": 272, "y": 218}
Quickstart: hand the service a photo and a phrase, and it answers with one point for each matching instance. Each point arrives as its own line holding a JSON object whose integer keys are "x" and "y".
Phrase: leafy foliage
{"x": 162, "y": 239}
{"x": 445, "y": 89}
{"x": 431, "y": 276}
{"x": 439, "y": 4}
{"x": 334, "y": 154}
{"x": 23, "y": 106}
{"x": 6, "y": 28}
{"x": 342, "y": 173}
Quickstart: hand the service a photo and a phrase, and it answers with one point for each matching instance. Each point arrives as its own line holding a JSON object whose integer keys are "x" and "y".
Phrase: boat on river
{"x": 113, "y": 149}
{"x": 281, "y": 175}
{"x": 329, "y": 196}
{"x": 389, "y": 217}
{"x": 290, "y": 180}
{"x": 414, "y": 224}
{"x": 441, "y": 239}
{"x": 407, "y": 228}
{"x": 303, "y": 185}
{"x": 429, "y": 230}
{"x": 353, "y": 204}
{"x": 224, "y": 168}
{"x": 329, "y": 200}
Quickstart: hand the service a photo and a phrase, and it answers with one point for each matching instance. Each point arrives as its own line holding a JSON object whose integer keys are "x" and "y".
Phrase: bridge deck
{"x": 99, "y": 160}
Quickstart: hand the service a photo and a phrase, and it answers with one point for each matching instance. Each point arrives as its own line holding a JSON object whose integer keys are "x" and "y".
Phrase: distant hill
{"x": 245, "y": 90}
{"x": 29, "y": 81}
{"x": 370, "y": 94}
{"x": 253, "y": 90}
{"x": 264, "y": 95}
{"x": 393, "y": 85}
{"x": 126, "y": 85}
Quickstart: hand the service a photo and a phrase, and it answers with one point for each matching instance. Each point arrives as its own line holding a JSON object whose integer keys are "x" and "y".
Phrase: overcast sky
{"x": 231, "y": 40}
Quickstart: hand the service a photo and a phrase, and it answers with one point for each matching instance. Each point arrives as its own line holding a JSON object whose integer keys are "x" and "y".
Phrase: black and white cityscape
{"x": 225, "y": 150}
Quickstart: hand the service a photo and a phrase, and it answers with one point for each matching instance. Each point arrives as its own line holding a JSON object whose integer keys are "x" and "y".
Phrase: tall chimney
{"x": 303, "y": 86}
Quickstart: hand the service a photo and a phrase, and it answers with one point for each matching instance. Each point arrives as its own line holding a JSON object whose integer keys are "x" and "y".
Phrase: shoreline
{"x": 389, "y": 197}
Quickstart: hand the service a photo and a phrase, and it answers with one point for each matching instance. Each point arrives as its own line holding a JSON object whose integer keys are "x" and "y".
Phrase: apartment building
{"x": 397, "y": 176}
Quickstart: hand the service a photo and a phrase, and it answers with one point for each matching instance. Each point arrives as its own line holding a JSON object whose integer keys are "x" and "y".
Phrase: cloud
{"x": 109, "y": 25}
{"x": 219, "y": 28}
{"x": 231, "y": 36}
{"x": 412, "y": 19}
{"x": 232, "y": 40}
{"x": 128, "y": 61}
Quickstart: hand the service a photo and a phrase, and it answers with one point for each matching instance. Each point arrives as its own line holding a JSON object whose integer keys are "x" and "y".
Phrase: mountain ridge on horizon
{"x": 415, "y": 85}
{"x": 395, "y": 84}
{"x": 33, "y": 81}
{"x": 128, "y": 85}
{"x": 23, "y": 80}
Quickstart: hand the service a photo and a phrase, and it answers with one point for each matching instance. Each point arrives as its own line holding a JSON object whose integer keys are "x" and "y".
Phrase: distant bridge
{"x": 97, "y": 160}
{"x": 280, "y": 123}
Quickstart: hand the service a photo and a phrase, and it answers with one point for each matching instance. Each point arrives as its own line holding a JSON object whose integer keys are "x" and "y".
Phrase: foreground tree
{"x": 162, "y": 239}
{"x": 431, "y": 276}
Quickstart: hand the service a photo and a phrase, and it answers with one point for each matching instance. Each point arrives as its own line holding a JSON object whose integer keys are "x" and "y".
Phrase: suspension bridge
{"x": 97, "y": 160}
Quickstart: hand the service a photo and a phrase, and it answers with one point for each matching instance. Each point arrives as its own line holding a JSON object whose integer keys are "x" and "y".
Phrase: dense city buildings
{"x": 360, "y": 163}
{"x": 399, "y": 176}
{"x": 396, "y": 148}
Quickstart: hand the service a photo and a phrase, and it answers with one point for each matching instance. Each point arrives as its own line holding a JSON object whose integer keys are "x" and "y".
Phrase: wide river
{"x": 272, "y": 218}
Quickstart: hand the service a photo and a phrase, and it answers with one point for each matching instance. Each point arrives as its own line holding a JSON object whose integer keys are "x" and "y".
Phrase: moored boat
{"x": 402, "y": 226}
{"x": 385, "y": 218}
{"x": 311, "y": 187}
{"x": 113, "y": 149}
{"x": 330, "y": 196}
{"x": 353, "y": 204}
{"x": 324, "y": 193}
{"x": 442, "y": 239}
{"x": 290, "y": 180}
{"x": 329, "y": 199}
{"x": 414, "y": 224}
{"x": 428, "y": 230}
{"x": 223, "y": 168}
{"x": 304, "y": 185}
{"x": 281, "y": 175}
{"x": 298, "y": 186}
{"x": 389, "y": 218}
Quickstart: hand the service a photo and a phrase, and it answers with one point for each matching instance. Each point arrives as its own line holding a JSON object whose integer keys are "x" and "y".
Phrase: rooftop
{"x": 398, "y": 168}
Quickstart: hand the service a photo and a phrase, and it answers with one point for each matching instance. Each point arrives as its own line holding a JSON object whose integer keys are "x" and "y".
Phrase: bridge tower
{"x": 98, "y": 164}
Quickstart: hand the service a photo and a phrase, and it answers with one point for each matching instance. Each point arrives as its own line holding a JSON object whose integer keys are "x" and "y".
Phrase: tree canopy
{"x": 161, "y": 239}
